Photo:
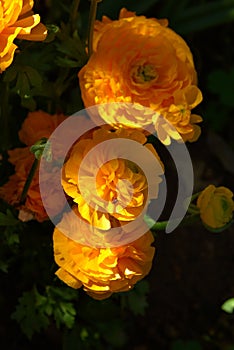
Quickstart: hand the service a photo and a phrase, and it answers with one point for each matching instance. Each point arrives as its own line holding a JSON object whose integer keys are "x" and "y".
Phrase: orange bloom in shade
{"x": 11, "y": 192}
{"x": 118, "y": 181}
{"x": 37, "y": 125}
{"x": 141, "y": 61}
{"x": 17, "y": 21}
{"x": 216, "y": 206}
{"x": 102, "y": 271}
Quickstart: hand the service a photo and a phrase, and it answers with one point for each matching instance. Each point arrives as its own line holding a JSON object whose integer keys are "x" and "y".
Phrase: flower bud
{"x": 216, "y": 206}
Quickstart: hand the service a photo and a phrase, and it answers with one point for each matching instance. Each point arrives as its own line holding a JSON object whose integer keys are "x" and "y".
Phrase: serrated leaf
{"x": 228, "y": 306}
{"x": 64, "y": 293}
{"x": 66, "y": 62}
{"x": 27, "y": 314}
{"x": 65, "y": 313}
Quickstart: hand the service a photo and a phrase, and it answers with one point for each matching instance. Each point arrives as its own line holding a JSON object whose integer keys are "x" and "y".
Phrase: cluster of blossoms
{"x": 143, "y": 63}
{"x": 147, "y": 67}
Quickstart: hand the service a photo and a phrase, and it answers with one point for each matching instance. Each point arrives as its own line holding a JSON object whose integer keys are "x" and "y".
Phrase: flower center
{"x": 144, "y": 73}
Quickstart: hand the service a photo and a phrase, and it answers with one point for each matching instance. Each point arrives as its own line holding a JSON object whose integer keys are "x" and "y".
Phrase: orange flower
{"x": 140, "y": 61}
{"x": 23, "y": 159}
{"x": 17, "y": 21}
{"x": 178, "y": 117}
{"x": 101, "y": 271}
{"x": 118, "y": 181}
{"x": 216, "y": 206}
{"x": 11, "y": 192}
{"x": 37, "y": 125}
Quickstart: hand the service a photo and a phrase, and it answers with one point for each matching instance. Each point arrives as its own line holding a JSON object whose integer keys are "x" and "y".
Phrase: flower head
{"x": 17, "y": 21}
{"x": 109, "y": 185}
{"x": 23, "y": 159}
{"x": 216, "y": 206}
{"x": 101, "y": 271}
{"x": 141, "y": 61}
{"x": 37, "y": 125}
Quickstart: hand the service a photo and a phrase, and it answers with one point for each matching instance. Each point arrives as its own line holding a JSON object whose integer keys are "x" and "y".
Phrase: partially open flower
{"x": 216, "y": 206}
{"x": 142, "y": 61}
{"x": 101, "y": 271}
{"x": 17, "y": 21}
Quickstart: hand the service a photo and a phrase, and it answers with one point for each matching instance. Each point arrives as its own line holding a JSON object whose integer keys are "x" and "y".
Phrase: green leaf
{"x": 64, "y": 313}
{"x": 71, "y": 48}
{"x": 30, "y": 318}
{"x": 34, "y": 309}
{"x": 228, "y": 306}
{"x": 62, "y": 309}
{"x": 33, "y": 76}
{"x": 8, "y": 219}
{"x": 52, "y": 31}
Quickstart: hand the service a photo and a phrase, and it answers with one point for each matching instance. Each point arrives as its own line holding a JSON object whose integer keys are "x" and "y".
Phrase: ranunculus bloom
{"x": 11, "y": 192}
{"x": 142, "y": 61}
{"x": 216, "y": 206}
{"x": 102, "y": 271}
{"x": 37, "y": 125}
{"x": 23, "y": 159}
{"x": 17, "y": 21}
{"x": 118, "y": 181}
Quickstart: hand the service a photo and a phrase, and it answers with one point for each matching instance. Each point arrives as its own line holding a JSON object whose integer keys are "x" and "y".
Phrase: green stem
{"x": 74, "y": 14}
{"x": 29, "y": 181}
{"x": 92, "y": 17}
{"x": 187, "y": 220}
{"x": 193, "y": 209}
{"x": 194, "y": 196}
